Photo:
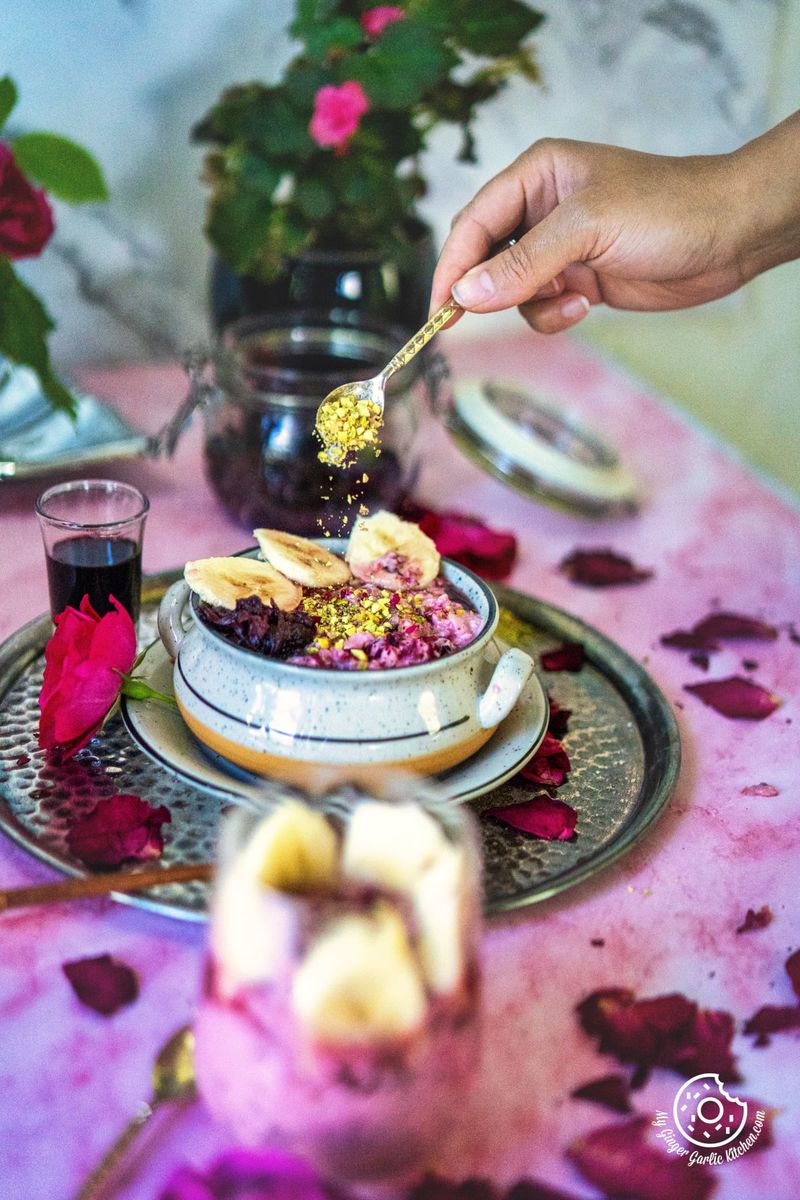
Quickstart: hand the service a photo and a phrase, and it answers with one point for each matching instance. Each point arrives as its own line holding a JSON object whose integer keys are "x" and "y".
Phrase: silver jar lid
{"x": 528, "y": 444}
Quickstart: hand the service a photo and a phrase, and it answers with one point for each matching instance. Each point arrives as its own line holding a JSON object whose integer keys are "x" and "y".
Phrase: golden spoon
{"x": 349, "y": 417}
{"x": 173, "y": 1080}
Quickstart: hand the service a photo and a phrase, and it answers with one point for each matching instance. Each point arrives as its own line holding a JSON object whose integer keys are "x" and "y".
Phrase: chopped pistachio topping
{"x": 346, "y": 425}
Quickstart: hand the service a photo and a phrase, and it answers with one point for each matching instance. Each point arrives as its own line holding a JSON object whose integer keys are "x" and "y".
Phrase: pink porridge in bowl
{"x": 384, "y": 605}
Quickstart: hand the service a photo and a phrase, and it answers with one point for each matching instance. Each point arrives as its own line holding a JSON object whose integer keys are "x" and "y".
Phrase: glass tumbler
{"x": 339, "y": 1018}
{"x": 92, "y": 531}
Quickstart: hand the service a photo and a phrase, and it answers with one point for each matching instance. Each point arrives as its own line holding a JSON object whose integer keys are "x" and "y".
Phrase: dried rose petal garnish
{"x": 739, "y": 698}
{"x": 469, "y": 541}
{"x": 610, "y": 1090}
{"x": 102, "y": 983}
{"x": 550, "y": 764}
{"x": 727, "y": 626}
{"x": 760, "y": 789}
{"x": 664, "y": 1031}
{"x": 544, "y": 817}
{"x": 120, "y": 829}
{"x": 569, "y": 656}
{"x": 619, "y": 1160}
{"x": 756, "y": 919}
{"x": 602, "y": 568}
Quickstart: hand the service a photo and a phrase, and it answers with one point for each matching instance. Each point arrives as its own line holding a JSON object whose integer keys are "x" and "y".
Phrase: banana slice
{"x": 390, "y": 845}
{"x": 382, "y": 534}
{"x": 223, "y": 581}
{"x": 300, "y": 559}
{"x": 298, "y": 849}
{"x": 360, "y": 981}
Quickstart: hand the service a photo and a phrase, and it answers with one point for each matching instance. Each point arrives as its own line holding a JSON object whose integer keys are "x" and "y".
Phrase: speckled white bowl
{"x": 293, "y": 722}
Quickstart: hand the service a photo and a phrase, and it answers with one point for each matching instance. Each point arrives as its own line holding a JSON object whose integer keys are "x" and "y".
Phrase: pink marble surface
{"x": 712, "y": 532}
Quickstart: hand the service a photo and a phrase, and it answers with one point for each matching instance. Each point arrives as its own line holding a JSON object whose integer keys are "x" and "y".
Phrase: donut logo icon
{"x": 706, "y": 1115}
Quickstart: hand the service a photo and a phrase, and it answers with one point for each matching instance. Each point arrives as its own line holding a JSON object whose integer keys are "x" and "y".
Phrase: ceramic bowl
{"x": 292, "y": 722}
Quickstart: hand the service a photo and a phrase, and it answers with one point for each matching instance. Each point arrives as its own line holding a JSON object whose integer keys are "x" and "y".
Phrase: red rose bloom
{"x": 26, "y": 219}
{"x": 85, "y": 661}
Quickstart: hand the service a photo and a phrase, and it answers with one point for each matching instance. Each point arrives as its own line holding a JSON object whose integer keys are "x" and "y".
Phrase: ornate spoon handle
{"x": 421, "y": 338}
{"x": 95, "y": 1184}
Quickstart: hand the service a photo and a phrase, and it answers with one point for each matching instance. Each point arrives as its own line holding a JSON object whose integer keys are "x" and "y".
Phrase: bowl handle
{"x": 508, "y": 679}
{"x": 170, "y": 617}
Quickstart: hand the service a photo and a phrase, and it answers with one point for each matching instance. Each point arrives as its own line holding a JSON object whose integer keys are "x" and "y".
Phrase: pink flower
{"x": 375, "y": 20}
{"x": 26, "y": 219}
{"x": 85, "y": 661}
{"x": 337, "y": 112}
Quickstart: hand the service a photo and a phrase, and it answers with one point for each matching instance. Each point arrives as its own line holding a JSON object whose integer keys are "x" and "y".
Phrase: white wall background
{"x": 129, "y": 77}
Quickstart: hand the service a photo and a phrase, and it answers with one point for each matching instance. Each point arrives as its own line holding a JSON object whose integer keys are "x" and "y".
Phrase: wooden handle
{"x": 100, "y": 885}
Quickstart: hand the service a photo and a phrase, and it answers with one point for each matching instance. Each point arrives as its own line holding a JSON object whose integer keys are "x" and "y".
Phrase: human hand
{"x": 614, "y": 226}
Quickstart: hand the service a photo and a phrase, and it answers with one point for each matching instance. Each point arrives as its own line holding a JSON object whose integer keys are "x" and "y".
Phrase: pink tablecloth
{"x": 713, "y": 533}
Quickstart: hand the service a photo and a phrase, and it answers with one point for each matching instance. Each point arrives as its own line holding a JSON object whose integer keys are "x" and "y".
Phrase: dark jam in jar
{"x": 99, "y": 567}
{"x": 261, "y": 449}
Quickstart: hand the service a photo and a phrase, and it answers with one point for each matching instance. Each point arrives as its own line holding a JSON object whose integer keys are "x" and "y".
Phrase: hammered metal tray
{"x": 622, "y": 742}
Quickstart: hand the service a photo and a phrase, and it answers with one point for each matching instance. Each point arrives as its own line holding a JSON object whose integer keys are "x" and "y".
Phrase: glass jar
{"x": 340, "y": 1012}
{"x": 261, "y": 451}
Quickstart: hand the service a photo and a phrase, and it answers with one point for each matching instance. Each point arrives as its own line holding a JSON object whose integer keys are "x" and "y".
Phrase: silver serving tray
{"x": 622, "y": 741}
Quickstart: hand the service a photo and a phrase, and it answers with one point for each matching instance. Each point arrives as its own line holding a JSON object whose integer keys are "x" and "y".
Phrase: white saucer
{"x": 160, "y": 731}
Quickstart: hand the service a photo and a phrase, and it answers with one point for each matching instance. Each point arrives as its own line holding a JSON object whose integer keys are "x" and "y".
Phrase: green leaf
{"x": 310, "y": 13}
{"x": 24, "y": 326}
{"x": 408, "y": 59}
{"x": 60, "y": 166}
{"x": 314, "y": 198}
{"x": 237, "y": 225}
{"x": 261, "y": 118}
{"x": 487, "y": 30}
{"x": 340, "y": 33}
{"x": 8, "y": 98}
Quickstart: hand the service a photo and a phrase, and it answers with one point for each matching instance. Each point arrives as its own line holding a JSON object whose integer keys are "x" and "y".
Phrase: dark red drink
{"x": 98, "y": 567}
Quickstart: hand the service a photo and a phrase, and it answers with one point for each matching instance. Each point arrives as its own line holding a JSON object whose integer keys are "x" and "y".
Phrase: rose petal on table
{"x": 759, "y": 789}
{"x": 687, "y": 639}
{"x": 243, "y": 1174}
{"x": 432, "y": 1187}
{"x": 569, "y": 656}
{"x": 756, "y": 919}
{"x": 765, "y": 1136}
{"x": 118, "y": 829}
{"x": 103, "y": 983}
{"x": 662, "y": 1031}
{"x": 467, "y": 540}
{"x": 550, "y": 764}
{"x": 772, "y": 1018}
{"x": 735, "y": 697}
{"x": 793, "y": 971}
{"x": 728, "y": 626}
{"x": 611, "y": 1091}
{"x": 602, "y": 568}
{"x": 543, "y": 817}
{"x": 621, "y": 1162}
{"x": 558, "y": 720}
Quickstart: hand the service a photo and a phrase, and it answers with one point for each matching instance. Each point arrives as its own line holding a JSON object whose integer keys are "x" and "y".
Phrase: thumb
{"x": 516, "y": 274}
